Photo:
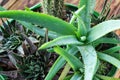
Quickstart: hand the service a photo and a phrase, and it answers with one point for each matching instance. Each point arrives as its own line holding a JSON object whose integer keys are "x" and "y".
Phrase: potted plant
{"x": 80, "y": 41}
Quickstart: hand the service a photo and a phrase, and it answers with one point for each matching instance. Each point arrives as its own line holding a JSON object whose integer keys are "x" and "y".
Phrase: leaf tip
{"x": 41, "y": 47}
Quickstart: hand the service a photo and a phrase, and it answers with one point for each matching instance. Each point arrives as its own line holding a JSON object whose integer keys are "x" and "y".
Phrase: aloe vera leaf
{"x": 44, "y": 20}
{"x": 89, "y": 57}
{"x": 63, "y": 40}
{"x": 102, "y": 29}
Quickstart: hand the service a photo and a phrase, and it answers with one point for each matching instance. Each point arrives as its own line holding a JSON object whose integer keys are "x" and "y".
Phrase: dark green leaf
{"x": 112, "y": 50}
{"x": 55, "y": 68}
{"x": 72, "y": 60}
{"x": 109, "y": 59}
{"x": 106, "y": 40}
{"x": 38, "y": 30}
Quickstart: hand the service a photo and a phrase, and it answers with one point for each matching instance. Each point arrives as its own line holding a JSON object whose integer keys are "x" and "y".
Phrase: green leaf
{"x": 89, "y": 57}
{"x": 72, "y": 60}
{"x": 106, "y": 40}
{"x": 44, "y": 20}
{"x": 112, "y": 50}
{"x": 107, "y": 78}
{"x": 1, "y": 77}
{"x": 97, "y": 66}
{"x": 102, "y": 29}
{"x": 2, "y": 9}
{"x": 63, "y": 40}
{"x": 74, "y": 16}
{"x": 68, "y": 77}
{"x": 82, "y": 31}
{"x": 59, "y": 63}
{"x": 36, "y": 6}
{"x": 55, "y": 68}
{"x": 38, "y": 30}
{"x": 109, "y": 59}
{"x": 87, "y": 11}
{"x": 77, "y": 76}
{"x": 116, "y": 55}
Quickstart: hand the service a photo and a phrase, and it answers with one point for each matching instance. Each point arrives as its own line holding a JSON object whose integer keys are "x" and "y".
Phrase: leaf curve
{"x": 44, "y": 20}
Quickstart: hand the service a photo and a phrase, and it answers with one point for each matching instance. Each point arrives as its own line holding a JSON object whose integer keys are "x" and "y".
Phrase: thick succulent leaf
{"x": 77, "y": 76}
{"x": 115, "y": 55}
{"x": 1, "y": 77}
{"x": 109, "y": 59}
{"x": 89, "y": 8}
{"x": 44, "y": 20}
{"x": 106, "y": 40}
{"x": 59, "y": 63}
{"x": 107, "y": 77}
{"x": 102, "y": 29}
{"x": 89, "y": 57}
{"x": 74, "y": 16}
{"x": 112, "y": 50}
{"x": 63, "y": 40}
{"x": 97, "y": 66}
{"x": 82, "y": 31}
{"x": 73, "y": 61}
{"x": 38, "y": 5}
{"x": 39, "y": 31}
{"x": 68, "y": 77}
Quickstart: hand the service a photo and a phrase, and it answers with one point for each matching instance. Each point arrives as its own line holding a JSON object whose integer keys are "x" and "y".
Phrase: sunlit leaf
{"x": 44, "y": 20}
{"x": 85, "y": 14}
{"x": 89, "y": 57}
{"x": 63, "y": 40}
{"x": 102, "y": 29}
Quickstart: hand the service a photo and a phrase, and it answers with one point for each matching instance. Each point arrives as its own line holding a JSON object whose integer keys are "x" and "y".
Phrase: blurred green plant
{"x": 53, "y": 7}
{"x": 78, "y": 42}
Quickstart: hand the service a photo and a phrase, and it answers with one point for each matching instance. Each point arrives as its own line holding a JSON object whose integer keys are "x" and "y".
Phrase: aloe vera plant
{"x": 78, "y": 43}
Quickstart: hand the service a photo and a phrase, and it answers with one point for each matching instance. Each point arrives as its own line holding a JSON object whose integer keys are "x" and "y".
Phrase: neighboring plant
{"x": 53, "y": 7}
{"x": 78, "y": 38}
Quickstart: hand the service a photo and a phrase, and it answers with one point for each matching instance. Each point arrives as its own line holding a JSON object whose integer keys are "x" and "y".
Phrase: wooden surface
{"x": 20, "y": 4}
